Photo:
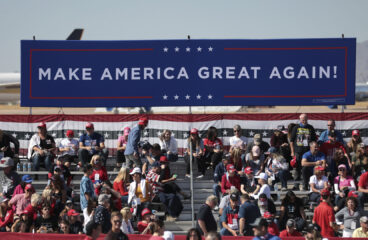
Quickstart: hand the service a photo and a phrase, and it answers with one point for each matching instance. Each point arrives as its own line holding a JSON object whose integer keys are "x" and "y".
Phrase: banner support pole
{"x": 342, "y": 106}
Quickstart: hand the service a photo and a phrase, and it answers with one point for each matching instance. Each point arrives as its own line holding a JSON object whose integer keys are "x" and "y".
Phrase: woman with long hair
{"x": 359, "y": 161}
{"x": 126, "y": 225}
{"x": 157, "y": 230}
{"x": 343, "y": 184}
{"x": 99, "y": 174}
{"x": 169, "y": 145}
{"x": 292, "y": 208}
{"x": 121, "y": 184}
{"x": 197, "y": 151}
{"x": 193, "y": 234}
{"x": 213, "y": 149}
{"x": 236, "y": 159}
{"x": 349, "y": 217}
{"x": 317, "y": 183}
{"x": 354, "y": 142}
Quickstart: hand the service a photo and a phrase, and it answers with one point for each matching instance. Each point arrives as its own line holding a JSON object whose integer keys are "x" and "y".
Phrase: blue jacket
{"x": 133, "y": 139}
{"x": 267, "y": 237}
{"x": 219, "y": 172}
{"x": 324, "y": 137}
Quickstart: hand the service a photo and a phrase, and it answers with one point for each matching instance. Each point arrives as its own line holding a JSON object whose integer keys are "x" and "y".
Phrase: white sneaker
{"x": 187, "y": 175}
{"x": 200, "y": 176}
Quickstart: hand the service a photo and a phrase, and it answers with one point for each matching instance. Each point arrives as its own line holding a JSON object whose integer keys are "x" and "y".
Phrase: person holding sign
{"x": 91, "y": 143}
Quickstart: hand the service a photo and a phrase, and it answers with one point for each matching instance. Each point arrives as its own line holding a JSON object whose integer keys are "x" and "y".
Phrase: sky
{"x": 171, "y": 19}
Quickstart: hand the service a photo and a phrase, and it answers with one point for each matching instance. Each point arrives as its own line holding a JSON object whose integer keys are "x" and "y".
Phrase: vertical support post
{"x": 342, "y": 106}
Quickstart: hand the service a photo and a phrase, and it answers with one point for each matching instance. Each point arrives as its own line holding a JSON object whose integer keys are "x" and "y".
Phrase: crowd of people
{"x": 246, "y": 176}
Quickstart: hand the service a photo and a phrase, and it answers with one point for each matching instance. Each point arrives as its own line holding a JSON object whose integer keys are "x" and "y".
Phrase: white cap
{"x": 262, "y": 176}
{"x": 168, "y": 235}
{"x": 136, "y": 170}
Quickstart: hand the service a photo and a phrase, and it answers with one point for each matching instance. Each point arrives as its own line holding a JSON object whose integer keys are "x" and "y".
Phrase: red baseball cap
{"x": 230, "y": 168}
{"x": 126, "y": 131}
{"x": 194, "y": 131}
{"x": 355, "y": 132}
{"x": 72, "y": 212}
{"x": 163, "y": 159}
{"x": 248, "y": 170}
{"x": 320, "y": 168}
{"x": 70, "y": 133}
{"x": 325, "y": 192}
{"x": 353, "y": 194}
{"x": 42, "y": 125}
{"x": 143, "y": 121}
{"x": 267, "y": 215}
{"x": 145, "y": 211}
{"x": 89, "y": 125}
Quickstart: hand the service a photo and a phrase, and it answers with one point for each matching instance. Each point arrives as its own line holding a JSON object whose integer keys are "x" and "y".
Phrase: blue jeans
{"x": 281, "y": 176}
{"x": 216, "y": 191}
{"x": 225, "y": 232}
{"x": 48, "y": 159}
{"x": 124, "y": 199}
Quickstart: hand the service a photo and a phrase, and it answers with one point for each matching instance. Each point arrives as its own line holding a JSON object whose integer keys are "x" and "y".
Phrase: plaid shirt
{"x": 154, "y": 179}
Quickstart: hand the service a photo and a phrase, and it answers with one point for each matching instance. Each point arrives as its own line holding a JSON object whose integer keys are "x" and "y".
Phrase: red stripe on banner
{"x": 40, "y": 236}
{"x": 273, "y": 49}
{"x": 181, "y": 117}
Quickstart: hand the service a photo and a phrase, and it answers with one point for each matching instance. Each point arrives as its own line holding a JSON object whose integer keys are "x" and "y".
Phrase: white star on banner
{"x": 344, "y": 133}
{"x": 210, "y": 49}
{"x": 188, "y": 49}
{"x": 251, "y": 133}
{"x": 185, "y": 135}
{"x": 158, "y": 133}
{"x": 106, "y": 135}
{"x": 264, "y": 134}
{"x": 173, "y": 134}
{"x": 80, "y": 134}
{"x": 27, "y": 136}
{"x": 145, "y": 133}
{"x": 187, "y": 97}
{"x": 199, "y": 49}
{"x": 177, "y": 49}
{"x": 210, "y": 96}
{"x": 198, "y": 96}
{"x": 318, "y": 133}
{"x": 53, "y": 134}
{"x": 166, "y": 49}
{"x": 176, "y": 97}
{"x": 224, "y": 133}
{"x": 14, "y": 135}
{"x": 164, "y": 97}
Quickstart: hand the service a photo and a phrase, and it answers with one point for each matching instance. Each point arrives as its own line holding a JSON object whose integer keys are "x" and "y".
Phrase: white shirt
{"x": 127, "y": 227}
{"x": 318, "y": 184}
{"x": 70, "y": 143}
{"x": 171, "y": 146}
{"x": 264, "y": 189}
{"x": 234, "y": 140}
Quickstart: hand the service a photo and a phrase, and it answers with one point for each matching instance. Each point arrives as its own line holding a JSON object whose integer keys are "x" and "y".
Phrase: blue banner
{"x": 188, "y": 73}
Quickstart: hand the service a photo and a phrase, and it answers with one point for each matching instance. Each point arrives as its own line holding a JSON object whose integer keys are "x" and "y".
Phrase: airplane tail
{"x": 76, "y": 34}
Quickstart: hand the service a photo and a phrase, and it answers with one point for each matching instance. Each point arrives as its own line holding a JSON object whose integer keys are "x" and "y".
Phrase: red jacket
{"x": 121, "y": 188}
{"x": 8, "y": 218}
{"x": 227, "y": 182}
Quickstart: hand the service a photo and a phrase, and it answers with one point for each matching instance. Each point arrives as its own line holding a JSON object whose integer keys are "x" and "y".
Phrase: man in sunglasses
{"x": 330, "y": 127}
{"x": 115, "y": 233}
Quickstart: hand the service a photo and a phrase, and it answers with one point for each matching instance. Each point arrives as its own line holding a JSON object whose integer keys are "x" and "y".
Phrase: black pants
{"x": 187, "y": 162}
{"x": 171, "y": 187}
{"x": 307, "y": 172}
{"x": 298, "y": 168}
{"x": 120, "y": 157}
{"x": 210, "y": 159}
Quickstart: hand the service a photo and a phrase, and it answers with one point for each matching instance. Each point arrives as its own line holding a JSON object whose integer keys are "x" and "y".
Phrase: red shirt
{"x": 141, "y": 226}
{"x": 329, "y": 148}
{"x": 273, "y": 229}
{"x": 212, "y": 144}
{"x": 102, "y": 177}
{"x": 363, "y": 181}
{"x": 121, "y": 188}
{"x": 227, "y": 182}
{"x": 323, "y": 215}
{"x": 8, "y": 218}
{"x": 32, "y": 212}
{"x": 285, "y": 233}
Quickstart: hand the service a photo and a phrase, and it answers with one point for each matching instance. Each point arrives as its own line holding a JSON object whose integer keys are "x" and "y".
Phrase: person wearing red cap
{"x": 131, "y": 151}
{"x": 249, "y": 182}
{"x": 91, "y": 143}
{"x": 230, "y": 180}
{"x": 318, "y": 182}
{"x": 197, "y": 151}
{"x": 21, "y": 201}
{"x": 144, "y": 225}
{"x": 363, "y": 190}
{"x": 6, "y": 214}
{"x": 41, "y": 148}
{"x": 69, "y": 148}
{"x": 272, "y": 229}
{"x": 75, "y": 225}
{"x": 355, "y": 141}
{"x": 324, "y": 216}
{"x": 122, "y": 142}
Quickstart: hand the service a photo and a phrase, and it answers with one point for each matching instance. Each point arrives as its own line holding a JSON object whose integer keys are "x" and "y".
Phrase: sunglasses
{"x": 236, "y": 130}
{"x": 342, "y": 169}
